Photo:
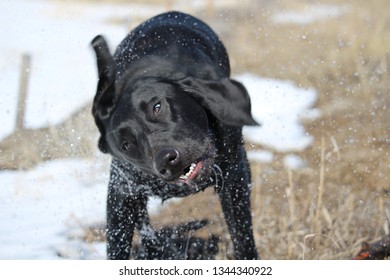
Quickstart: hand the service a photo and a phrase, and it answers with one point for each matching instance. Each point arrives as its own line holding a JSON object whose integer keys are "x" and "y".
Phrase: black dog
{"x": 172, "y": 119}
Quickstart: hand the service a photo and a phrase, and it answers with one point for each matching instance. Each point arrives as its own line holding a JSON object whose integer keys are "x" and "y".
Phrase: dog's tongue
{"x": 197, "y": 168}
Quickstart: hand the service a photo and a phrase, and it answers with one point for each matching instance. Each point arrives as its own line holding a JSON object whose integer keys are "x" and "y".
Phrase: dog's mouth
{"x": 197, "y": 173}
{"x": 191, "y": 172}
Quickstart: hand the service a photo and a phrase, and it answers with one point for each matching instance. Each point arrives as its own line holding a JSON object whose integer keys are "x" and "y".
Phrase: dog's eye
{"x": 125, "y": 146}
{"x": 156, "y": 108}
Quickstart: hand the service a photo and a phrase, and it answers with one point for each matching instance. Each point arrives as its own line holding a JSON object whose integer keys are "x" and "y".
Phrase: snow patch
{"x": 63, "y": 67}
{"x": 292, "y": 161}
{"x": 310, "y": 14}
{"x": 278, "y": 106}
{"x": 260, "y": 155}
{"x": 36, "y": 206}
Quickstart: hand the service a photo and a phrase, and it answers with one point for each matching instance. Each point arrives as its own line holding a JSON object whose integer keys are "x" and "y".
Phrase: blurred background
{"x": 318, "y": 76}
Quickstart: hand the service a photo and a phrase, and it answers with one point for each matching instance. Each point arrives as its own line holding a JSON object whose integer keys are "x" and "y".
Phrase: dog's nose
{"x": 166, "y": 162}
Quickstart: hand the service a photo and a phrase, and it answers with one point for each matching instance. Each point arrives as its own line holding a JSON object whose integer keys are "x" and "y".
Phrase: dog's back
{"x": 188, "y": 44}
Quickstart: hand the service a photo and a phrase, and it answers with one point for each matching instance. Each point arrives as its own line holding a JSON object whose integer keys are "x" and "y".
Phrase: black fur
{"x": 164, "y": 102}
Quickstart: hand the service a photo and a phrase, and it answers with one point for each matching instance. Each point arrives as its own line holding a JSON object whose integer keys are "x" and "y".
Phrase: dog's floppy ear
{"x": 226, "y": 99}
{"x": 105, "y": 97}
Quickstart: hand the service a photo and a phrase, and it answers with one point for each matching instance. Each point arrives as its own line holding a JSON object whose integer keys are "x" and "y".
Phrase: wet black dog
{"x": 172, "y": 119}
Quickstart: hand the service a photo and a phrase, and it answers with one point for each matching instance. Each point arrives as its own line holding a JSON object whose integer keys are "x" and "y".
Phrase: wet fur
{"x": 177, "y": 61}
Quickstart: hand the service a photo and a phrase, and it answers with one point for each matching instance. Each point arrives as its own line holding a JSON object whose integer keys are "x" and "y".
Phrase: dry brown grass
{"x": 27, "y": 147}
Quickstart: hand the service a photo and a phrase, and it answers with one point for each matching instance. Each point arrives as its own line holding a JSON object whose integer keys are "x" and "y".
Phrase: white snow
{"x": 37, "y": 206}
{"x": 57, "y": 35}
{"x": 260, "y": 155}
{"x": 278, "y": 106}
{"x": 311, "y": 13}
{"x": 292, "y": 161}
{"x": 42, "y": 208}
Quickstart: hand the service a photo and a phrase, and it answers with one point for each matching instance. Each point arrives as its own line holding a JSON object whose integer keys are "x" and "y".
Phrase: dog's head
{"x": 161, "y": 126}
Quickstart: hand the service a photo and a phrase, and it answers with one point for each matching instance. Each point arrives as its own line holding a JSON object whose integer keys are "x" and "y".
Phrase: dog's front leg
{"x": 123, "y": 214}
{"x": 125, "y": 211}
{"x": 120, "y": 227}
{"x": 234, "y": 197}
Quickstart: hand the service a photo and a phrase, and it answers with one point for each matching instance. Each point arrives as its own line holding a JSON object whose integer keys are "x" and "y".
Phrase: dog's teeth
{"x": 188, "y": 174}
